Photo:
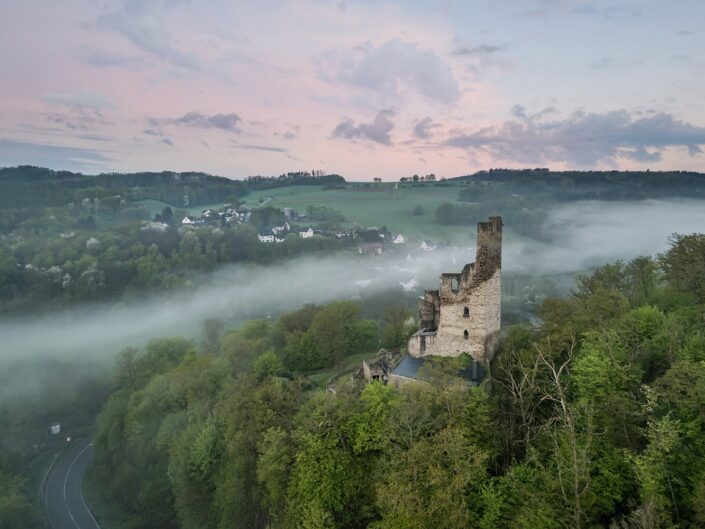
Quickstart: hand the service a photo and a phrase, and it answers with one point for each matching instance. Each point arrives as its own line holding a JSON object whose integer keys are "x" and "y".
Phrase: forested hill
{"x": 592, "y": 417}
{"x": 599, "y": 185}
{"x": 29, "y": 186}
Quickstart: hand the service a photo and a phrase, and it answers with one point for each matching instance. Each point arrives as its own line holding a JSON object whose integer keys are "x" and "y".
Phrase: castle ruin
{"x": 463, "y": 316}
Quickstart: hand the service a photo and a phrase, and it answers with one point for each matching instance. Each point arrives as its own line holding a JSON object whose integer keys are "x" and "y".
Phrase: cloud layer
{"x": 216, "y": 121}
{"x": 144, "y": 24}
{"x": 311, "y": 74}
{"x": 583, "y": 139}
{"x": 397, "y": 64}
{"x": 378, "y": 130}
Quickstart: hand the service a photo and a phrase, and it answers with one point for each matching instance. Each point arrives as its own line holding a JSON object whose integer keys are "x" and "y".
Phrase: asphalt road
{"x": 63, "y": 496}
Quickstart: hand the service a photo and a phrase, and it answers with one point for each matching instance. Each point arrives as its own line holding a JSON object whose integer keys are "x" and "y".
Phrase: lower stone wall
{"x": 397, "y": 381}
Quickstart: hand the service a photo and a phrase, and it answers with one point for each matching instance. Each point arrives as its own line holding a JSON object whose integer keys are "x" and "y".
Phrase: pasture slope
{"x": 375, "y": 205}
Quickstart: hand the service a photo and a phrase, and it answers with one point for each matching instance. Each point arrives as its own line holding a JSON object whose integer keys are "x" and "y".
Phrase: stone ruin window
{"x": 466, "y": 312}
{"x": 454, "y": 285}
{"x": 466, "y": 334}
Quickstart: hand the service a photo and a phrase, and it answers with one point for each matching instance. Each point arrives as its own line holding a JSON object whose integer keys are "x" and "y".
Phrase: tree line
{"x": 32, "y": 187}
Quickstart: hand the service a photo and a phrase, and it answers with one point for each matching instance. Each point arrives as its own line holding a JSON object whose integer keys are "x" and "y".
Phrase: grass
{"x": 381, "y": 205}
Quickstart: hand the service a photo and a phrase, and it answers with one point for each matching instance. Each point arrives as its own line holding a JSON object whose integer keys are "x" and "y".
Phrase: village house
{"x": 398, "y": 239}
{"x": 188, "y": 221}
{"x": 306, "y": 233}
{"x": 427, "y": 246}
{"x": 265, "y": 237}
{"x": 283, "y": 228}
{"x": 370, "y": 248}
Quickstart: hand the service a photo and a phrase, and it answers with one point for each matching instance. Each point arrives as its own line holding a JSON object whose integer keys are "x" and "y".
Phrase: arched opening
{"x": 454, "y": 285}
{"x": 466, "y": 312}
{"x": 466, "y": 334}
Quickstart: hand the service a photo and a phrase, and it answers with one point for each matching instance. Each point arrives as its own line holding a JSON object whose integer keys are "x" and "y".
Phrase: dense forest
{"x": 592, "y": 417}
{"x": 592, "y": 185}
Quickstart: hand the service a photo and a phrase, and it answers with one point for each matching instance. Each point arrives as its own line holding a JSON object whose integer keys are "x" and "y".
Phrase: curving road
{"x": 63, "y": 496}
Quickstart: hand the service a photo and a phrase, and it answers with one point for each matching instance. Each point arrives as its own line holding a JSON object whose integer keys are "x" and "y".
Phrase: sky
{"x": 361, "y": 88}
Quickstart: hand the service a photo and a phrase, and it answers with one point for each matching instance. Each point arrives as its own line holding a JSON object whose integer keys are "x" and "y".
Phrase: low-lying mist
{"x": 585, "y": 234}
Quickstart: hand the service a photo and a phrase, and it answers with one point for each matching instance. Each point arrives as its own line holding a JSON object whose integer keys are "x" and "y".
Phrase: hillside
{"x": 28, "y": 186}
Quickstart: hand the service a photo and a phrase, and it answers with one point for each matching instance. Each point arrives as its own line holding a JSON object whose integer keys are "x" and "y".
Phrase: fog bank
{"x": 585, "y": 234}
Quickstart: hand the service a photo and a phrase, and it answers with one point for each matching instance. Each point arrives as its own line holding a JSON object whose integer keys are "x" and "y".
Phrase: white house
{"x": 279, "y": 238}
{"x": 187, "y": 221}
{"x": 306, "y": 233}
{"x": 281, "y": 229}
{"x": 428, "y": 246}
{"x": 399, "y": 239}
{"x": 266, "y": 237}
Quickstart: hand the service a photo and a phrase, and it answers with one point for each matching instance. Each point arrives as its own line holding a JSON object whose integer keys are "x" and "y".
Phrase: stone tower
{"x": 464, "y": 315}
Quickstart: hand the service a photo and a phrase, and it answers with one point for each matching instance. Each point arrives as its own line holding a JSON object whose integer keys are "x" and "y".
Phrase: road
{"x": 63, "y": 496}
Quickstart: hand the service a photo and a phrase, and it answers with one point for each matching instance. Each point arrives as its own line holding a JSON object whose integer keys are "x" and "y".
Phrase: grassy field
{"x": 374, "y": 206}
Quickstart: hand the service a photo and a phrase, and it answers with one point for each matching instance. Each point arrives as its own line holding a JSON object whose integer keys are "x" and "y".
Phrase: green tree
{"x": 396, "y": 330}
{"x": 274, "y": 460}
{"x": 268, "y": 365}
{"x": 430, "y": 484}
{"x": 16, "y": 509}
{"x": 684, "y": 264}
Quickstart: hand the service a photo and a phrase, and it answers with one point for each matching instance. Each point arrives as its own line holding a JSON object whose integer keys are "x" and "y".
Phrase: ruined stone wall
{"x": 467, "y": 307}
{"x": 429, "y": 310}
{"x": 482, "y": 321}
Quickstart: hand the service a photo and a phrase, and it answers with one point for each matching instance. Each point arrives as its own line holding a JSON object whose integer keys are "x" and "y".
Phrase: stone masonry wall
{"x": 482, "y": 325}
{"x": 478, "y": 289}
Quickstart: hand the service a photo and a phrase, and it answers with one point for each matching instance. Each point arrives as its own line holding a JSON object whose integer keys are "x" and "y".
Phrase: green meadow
{"x": 376, "y": 205}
